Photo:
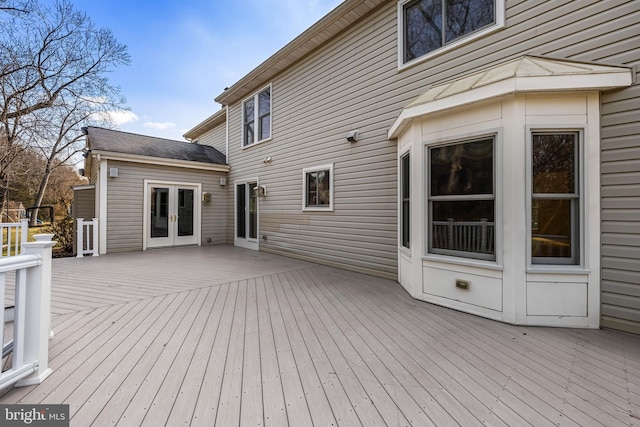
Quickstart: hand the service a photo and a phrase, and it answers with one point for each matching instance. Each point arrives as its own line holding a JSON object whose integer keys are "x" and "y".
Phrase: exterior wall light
{"x": 353, "y": 136}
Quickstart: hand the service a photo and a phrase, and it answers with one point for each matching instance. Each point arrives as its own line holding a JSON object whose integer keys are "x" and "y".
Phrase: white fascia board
{"x": 161, "y": 162}
{"x": 569, "y": 82}
{"x": 83, "y": 187}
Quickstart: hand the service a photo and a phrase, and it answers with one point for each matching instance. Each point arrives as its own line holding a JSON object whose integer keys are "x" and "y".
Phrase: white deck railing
{"x": 468, "y": 236}
{"x": 13, "y": 235}
{"x": 87, "y": 241}
{"x": 32, "y": 316}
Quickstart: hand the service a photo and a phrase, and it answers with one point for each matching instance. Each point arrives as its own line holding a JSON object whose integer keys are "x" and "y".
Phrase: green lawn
{"x": 31, "y": 232}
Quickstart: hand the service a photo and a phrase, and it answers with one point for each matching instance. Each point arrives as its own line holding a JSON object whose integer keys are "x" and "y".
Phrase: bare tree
{"x": 16, "y": 6}
{"x": 51, "y": 57}
{"x": 57, "y": 136}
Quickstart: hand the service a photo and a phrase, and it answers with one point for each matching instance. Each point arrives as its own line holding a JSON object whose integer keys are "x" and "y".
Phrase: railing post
{"x": 38, "y": 309}
{"x": 80, "y": 238}
{"x": 483, "y": 236}
{"x": 450, "y": 233}
{"x": 95, "y": 248}
{"x": 24, "y": 233}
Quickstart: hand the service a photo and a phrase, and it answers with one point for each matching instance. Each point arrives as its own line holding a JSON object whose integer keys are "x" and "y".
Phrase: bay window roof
{"x": 524, "y": 74}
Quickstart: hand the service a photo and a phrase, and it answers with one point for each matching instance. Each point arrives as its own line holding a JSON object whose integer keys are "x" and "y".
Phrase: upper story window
{"x": 462, "y": 199}
{"x": 430, "y": 25}
{"x": 318, "y": 188}
{"x": 555, "y": 198}
{"x": 256, "y": 118}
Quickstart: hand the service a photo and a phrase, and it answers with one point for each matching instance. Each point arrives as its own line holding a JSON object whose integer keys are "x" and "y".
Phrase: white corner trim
{"x": 102, "y": 206}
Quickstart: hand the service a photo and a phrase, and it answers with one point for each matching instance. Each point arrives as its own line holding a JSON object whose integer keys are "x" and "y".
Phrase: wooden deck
{"x": 224, "y": 336}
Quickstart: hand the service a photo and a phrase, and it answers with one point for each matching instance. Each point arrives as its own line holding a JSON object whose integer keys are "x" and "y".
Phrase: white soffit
{"x": 525, "y": 74}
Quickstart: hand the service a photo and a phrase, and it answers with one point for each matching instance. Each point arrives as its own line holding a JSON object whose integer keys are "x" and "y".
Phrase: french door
{"x": 172, "y": 214}
{"x": 246, "y": 218}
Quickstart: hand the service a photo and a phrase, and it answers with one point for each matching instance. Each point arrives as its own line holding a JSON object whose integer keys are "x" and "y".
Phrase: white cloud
{"x": 119, "y": 117}
{"x": 160, "y": 126}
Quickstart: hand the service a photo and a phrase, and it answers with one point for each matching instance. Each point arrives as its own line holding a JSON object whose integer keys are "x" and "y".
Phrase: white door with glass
{"x": 246, "y": 218}
{"x": 172, "y": 215}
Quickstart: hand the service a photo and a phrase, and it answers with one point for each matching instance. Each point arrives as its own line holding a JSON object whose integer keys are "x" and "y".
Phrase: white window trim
{"x": 497, "y": 134}
{"x": 500, "y": 23}
{"x": 329, "y": 208}
{"x": 582, "y": 232}
{"x": 255, "y": 98}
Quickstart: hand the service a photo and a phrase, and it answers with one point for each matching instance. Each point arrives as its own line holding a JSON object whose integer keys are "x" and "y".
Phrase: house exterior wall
{"x": 621, "y": 207}
{"x": 353, "y": 82}
{"x": 84, "y": 203}
{"x": 125, "y": 203}
{"x": 216, "y": 138}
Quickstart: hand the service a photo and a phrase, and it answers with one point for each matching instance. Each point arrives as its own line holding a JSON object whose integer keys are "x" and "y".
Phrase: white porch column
{"x": 80, "y": 238}
{"x": 38, "y": 309}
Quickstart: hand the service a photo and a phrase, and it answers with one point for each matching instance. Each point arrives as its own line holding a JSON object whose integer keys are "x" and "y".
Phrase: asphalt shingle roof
{"x": 114, "y": 141}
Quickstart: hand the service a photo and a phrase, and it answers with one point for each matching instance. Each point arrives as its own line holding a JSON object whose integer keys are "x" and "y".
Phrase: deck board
{"x": 298, "y": 412}
{"x": 442, "y": 369}
{"x": 248, "y": 338}
{"x": 184, "y": 403}
{"x": 273, "y": 404}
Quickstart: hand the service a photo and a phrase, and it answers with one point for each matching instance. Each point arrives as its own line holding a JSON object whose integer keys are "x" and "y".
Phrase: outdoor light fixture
{"x": 352, "y": 136}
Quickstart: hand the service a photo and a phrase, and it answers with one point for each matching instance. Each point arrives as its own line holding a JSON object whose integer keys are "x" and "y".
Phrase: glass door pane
{"x": 241, "y": 206}
{"x": 159, "y": 212}
{"x": 185, "y": 212}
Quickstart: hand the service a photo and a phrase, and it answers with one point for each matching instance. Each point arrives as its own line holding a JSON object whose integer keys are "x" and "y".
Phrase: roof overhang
{"x": 206, "y": 125}
{"x": 159, "y": 161}
{"x": 524, "y": 74}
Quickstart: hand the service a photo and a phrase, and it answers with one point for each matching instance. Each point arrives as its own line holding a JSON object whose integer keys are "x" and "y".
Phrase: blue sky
{"x": 185, "y": 52}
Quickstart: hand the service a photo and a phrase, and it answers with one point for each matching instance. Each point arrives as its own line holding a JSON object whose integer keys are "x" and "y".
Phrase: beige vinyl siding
{"x": 621, "y": 208}
{"x": 125, "y": 203}
{"x": 95, "y": 172}
{"x": 83, "y": 207}
{"x": 352, "y": 82}
{"x": 84, "y": 203}
{"x": 216, "y": 138}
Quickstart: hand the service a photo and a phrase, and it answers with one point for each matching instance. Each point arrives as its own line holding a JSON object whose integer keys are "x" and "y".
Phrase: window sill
{"x": 489, "y": 265}
{"x": 558, "y": 269}
{"x": 245, "y": 147}
{"x": 317, "y": 209}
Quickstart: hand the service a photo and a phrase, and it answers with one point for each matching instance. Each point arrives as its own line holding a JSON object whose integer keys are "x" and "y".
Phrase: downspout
{"x": 226, "y": 120}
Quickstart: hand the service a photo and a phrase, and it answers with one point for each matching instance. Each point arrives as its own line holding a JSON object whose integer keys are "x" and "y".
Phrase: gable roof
{"x": 100, "y": 140}
{"x": 332, "y": 24}
{"x": 524, "y": 74}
